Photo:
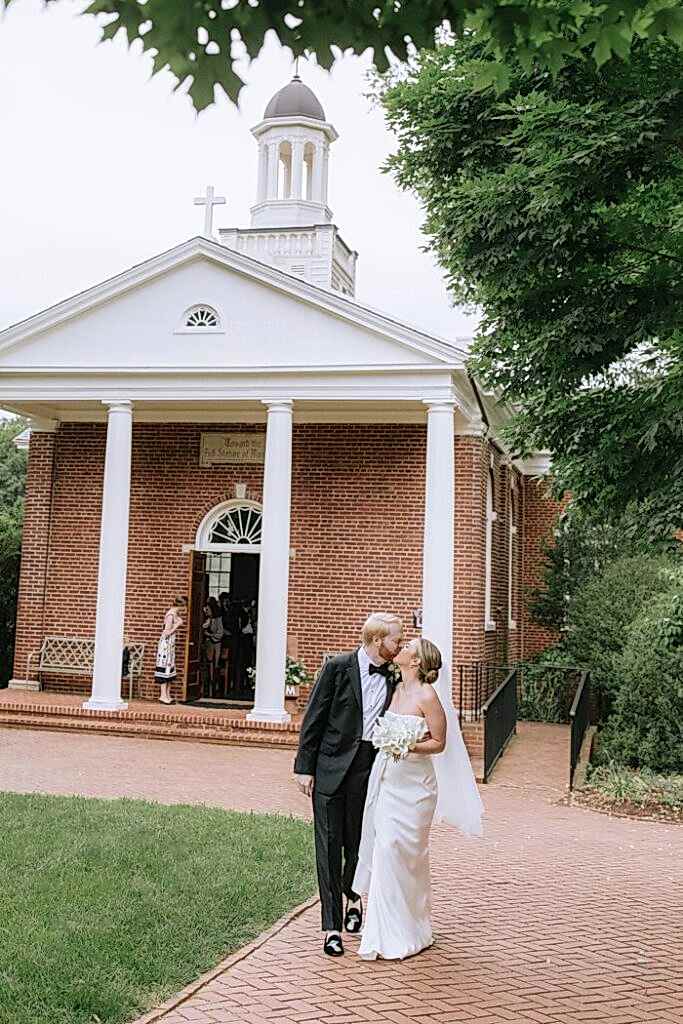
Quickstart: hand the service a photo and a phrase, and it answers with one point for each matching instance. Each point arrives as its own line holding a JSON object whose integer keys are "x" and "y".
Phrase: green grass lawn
{"x": 107, "y": 907}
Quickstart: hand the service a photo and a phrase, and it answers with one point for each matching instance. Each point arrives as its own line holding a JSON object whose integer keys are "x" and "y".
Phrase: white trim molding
{"x": 199, "y": 248}
{"x": 539, "y": 464}
{"x": 489, "y": 520}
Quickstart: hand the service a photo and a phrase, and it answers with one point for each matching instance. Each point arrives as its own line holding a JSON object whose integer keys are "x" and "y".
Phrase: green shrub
{"x": 546, "y": 689}
{"x": 10, "y": 549}
{"x": 645, "y": 729}
{"x": 626, "y": 785}
{"x": 12, "y": 477}
{"x": 604, "y": 608}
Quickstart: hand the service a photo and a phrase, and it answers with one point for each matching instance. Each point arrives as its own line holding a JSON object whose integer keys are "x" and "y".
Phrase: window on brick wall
{"x": 512, "y": 562}
{"x": 239, "y": 525}
{"x": 232, "y": 526}
{"x": 488, "y": 563}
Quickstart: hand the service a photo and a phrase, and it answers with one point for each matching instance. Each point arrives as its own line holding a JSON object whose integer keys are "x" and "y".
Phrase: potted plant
{"x": 295, "y": 676}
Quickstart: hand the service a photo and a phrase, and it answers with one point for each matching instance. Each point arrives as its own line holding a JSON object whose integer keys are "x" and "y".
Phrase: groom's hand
{"x": 305, "y": 784}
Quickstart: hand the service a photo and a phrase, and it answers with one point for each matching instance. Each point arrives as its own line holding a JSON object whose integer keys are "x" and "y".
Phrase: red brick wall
{"x": 357, "y": 533}
{"x": 475, "y": 460}
{"x": 540, "y": 515}
{"x": 34, "y": 551}
{"x": 468, "y": 624}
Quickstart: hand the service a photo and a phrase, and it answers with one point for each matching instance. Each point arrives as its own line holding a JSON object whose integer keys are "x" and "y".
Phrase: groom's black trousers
{"x": 338, "y": 820}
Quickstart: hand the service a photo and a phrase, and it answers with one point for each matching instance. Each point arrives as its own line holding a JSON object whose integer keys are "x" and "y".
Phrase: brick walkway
{"x": 558, "y": 915}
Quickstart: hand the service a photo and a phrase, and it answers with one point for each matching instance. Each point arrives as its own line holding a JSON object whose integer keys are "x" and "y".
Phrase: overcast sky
{"x": 100, "y": 165}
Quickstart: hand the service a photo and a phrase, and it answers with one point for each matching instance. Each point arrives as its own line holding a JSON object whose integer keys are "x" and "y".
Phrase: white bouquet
{"x": 395, "y": 735}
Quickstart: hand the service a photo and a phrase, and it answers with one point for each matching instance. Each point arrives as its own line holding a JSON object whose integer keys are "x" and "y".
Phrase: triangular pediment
{"x": 267, "y": 319}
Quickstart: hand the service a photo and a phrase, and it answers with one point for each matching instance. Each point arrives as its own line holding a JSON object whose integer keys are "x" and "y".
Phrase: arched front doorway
{"x": 225, "y": 566}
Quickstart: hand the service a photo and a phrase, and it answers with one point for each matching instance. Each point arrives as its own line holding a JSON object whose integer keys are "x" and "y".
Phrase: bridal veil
{"x": 458, "y": 802}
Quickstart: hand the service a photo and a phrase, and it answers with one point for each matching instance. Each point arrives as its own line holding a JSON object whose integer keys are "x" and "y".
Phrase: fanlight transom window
{"x": 239, "y": 525}
{"x": 201, "y": 317}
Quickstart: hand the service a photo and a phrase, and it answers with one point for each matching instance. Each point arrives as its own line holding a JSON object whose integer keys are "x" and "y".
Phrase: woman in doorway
{"x": 165, "y": 671}
{"x": 213, "y": 638}
{"x": 224, "y": 602}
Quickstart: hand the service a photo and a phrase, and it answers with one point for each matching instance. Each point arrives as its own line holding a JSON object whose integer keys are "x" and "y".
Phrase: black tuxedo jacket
{"x": 332, "y": 728}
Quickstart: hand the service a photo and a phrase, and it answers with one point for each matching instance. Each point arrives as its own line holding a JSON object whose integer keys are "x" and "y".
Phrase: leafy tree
{"x": 580, "y": 550}
{"x": 557, "y": 208}
{"x": 12, "y": 477}
{"x": 194, "y": 38}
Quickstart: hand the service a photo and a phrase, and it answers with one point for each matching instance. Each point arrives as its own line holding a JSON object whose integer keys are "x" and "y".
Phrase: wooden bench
{"x": 75, "y": 656}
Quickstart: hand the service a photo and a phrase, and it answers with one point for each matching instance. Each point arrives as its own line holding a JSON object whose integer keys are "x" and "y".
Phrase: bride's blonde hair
{"x": 430, "y": 661}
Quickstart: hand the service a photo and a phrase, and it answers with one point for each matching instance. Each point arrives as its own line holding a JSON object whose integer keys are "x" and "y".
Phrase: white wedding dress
{"x": 393, "y": 859}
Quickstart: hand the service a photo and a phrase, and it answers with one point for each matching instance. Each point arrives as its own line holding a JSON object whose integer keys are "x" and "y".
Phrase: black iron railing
{"x": 579, "y": 719}
{"x": 473, "y": 684}
{"x": 500, "y": 721}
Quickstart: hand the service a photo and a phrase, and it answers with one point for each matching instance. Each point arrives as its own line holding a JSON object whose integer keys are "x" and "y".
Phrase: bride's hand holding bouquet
{"x": 396, "y": 737}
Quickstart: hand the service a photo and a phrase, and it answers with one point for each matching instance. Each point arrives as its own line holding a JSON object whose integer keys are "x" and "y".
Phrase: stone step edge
{"x": 211, "y": 721}
{"x": 148, "y": 731}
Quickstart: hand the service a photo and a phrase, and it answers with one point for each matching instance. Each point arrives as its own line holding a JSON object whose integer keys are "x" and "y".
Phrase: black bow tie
{"x": 382, "y": 670}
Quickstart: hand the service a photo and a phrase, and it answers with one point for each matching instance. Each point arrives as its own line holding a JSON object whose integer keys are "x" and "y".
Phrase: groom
{"x": 334, "y": 760}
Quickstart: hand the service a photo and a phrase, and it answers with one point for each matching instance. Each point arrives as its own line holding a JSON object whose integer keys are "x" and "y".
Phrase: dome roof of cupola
{"x": 295, "y": 100}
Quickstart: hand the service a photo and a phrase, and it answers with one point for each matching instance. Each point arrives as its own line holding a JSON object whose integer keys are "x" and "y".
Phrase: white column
{"x": 111, "y": 581}
{"x": 437, "y": 564}
{"x": 262, "y": 172}
{"x": 287, "y": 176}
{"x": 271, "y": 643}
{"x": 326, "y": 173}
{"x": 273, "y": 169}
{"x": 297, "y": 168}
{"x": 318, "y": 166}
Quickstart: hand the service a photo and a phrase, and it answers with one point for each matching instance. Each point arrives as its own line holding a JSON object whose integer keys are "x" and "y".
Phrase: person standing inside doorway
{"x": 165, "y": 671}
{"x": 212, "y": 627}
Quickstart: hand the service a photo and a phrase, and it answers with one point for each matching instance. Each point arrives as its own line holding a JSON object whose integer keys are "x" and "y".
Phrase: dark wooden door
{"x": 244, "y": 577}
{"x": 196, "y": 599}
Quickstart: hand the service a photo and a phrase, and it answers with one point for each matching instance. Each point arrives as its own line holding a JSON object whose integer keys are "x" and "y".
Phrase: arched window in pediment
{"x": 200, "y": 318}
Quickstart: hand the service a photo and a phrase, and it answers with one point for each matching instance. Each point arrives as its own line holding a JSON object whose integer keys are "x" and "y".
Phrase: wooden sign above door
{"x": 220, "y": 449}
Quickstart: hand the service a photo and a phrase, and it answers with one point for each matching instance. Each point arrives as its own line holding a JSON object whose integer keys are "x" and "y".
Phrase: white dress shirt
{"x": 374, "y": 690}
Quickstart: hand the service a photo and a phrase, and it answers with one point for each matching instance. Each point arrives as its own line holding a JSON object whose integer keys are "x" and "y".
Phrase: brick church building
{"x": 225, "y": 418}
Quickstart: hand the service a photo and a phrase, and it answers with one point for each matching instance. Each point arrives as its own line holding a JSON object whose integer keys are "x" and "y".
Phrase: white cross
{"x": 209, "y": 201}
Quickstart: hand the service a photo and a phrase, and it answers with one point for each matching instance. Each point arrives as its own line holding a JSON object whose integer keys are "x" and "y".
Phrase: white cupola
{"x": 291, "y": 223}
{"x": 293, "y": 146}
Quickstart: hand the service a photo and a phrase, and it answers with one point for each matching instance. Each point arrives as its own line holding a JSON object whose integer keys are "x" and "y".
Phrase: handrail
{"x": 496, "y": 692}
{"x": 579, "y": 693}
{"x": 500, "y": 721}
{"x": 567, "y": 668}
{"x": 579, "y": 719}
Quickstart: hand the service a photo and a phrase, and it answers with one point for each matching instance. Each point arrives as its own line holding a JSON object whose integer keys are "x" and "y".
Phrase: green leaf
{"x": 674, "y": 25}
{"x": 537, "y": 32}
{"x": 492, "y": 74}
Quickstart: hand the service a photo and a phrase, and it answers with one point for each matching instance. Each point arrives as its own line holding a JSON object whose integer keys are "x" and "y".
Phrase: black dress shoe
{"x": 333, "y": 946}
{"x": 354, "y": 918}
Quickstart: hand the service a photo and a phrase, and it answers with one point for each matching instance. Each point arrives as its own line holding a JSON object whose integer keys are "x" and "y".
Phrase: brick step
{"x": 149, "y": 730}
{"x": 174, "y": 720}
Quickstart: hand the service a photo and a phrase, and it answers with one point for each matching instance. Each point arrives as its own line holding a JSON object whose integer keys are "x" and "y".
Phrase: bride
{"x": 434, "y": 779}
